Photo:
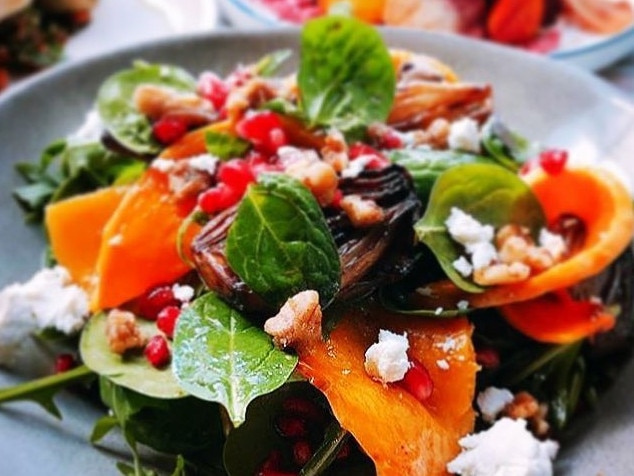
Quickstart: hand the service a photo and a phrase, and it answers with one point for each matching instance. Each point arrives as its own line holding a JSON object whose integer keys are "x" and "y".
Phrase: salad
{"x": 356, "y": 268}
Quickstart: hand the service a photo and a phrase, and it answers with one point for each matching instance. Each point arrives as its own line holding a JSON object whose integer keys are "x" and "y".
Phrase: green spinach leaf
{"x": 505, "y": 146}
{"x": 221, "y": 357}
{"x": 131, "y": 370}
{"x": 118, "y": 112}
{"x": 426, "y": 165}
{"x": 280, "y": 244}
{"x": 345, "y": 77}
{"x": 491, "y": 194}
{"x": 225, "y": 146}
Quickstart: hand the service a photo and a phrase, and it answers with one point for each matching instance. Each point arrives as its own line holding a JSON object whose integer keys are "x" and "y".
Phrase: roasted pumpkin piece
{"x": 401, "y": 434}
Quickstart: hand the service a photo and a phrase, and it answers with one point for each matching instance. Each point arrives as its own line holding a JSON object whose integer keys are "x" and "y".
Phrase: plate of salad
{"x": 299, "y": 252}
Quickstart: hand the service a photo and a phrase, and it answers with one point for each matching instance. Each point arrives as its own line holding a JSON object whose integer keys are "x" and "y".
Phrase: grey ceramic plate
{"x": 547, "y": 101}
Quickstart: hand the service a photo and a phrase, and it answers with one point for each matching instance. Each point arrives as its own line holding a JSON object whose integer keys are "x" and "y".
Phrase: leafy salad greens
{"x": 255, "y": 235}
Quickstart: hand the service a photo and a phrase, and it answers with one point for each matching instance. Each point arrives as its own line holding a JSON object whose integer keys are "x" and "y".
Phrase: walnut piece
{"x": 122, "y": 332}
{"x": 299, "y": 320}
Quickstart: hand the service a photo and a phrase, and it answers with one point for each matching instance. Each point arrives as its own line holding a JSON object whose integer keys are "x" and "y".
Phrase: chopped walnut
{"x": 122, "y": 331}
{"x": 362, "y": 212}
{"x": 320, "y": 177}
{"x": 516, "y": 245}
{"x": 525, "y": 406}
{"x": 335, "y": 151}
{"x": 501, "y": 273}
{"x": 255, "y": 92}
{"x": 299, "y": 320}
{"x": 157, "y": 101}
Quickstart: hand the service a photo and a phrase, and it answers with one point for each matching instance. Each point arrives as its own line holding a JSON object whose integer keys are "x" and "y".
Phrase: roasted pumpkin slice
{"x": 401, "y": 434}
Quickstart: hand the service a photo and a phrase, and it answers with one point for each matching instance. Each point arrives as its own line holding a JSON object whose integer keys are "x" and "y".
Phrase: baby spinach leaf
{"x": 225, "y": 146}
{"x": 491, "y": 194}
{"x": 345, "y": 77}
{"x": 506, "y": 146}
{"x": 280, "y": 244}
{"x": 131, "y": 370}
{"x": 117, "y": 110}
{"x": 426, "y": 165}
{"x": 221, "y": 357}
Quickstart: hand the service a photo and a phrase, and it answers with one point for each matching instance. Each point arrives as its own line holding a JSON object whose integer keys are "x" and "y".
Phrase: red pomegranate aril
{"x": 417, "y": 381}
{"x": 553, "y": 161}
{"x": 169, "y": 130}
{"x": 302, "y": 452}
{"x": 336, "y": 199}
{"x": 236, "y": 173}
{"x": 264, "y": 130}
{"x": 304, "y": 408}
{"x": 64, "y": 363}
{"x": 291, "y": 426}
{"x": 214, "y": 89}
{"x": 166, "y": 320}
{"x": 157, "y": 351}
{"x": 218, "y": 198}
{"x": 488, "y": 357}
{"x": 391, "y": 140}
{"x": 153, "y": 301}
{"x": 359, "y": 148}
{"x": 377, "y": 162}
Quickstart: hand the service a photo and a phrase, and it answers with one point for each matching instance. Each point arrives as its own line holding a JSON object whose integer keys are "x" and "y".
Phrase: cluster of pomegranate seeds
{"x": 168, "y": 130}
{"x": 155, "y": 300}
{"x": 390, "y": 140}
{"x": 166, "y": 320}
{"x": 157, "y": 351}
{"x": 264, "y": 129}
{"x": 217, "y": 198}
{"x": 64, "y": 363}
{"x": 488, "y": 357}
{"x": 211, "y": 87}
{"x": 553, "y": 161}
{"x": 376, "y": 159}
{"x": 417, "y": 381}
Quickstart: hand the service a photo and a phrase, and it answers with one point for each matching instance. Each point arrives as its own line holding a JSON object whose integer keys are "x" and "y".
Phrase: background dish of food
{"x": 570, "y": 37}
{"x": 573, "y": 118}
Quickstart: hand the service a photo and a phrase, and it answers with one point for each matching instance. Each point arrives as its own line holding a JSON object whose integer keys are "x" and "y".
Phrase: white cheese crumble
{"x": 463, "y": 266}
{"x": 491, "y": 401}
{"x": 553, "y": 243}
{"x": 464, "y": 134}
{"x": 442, "y": 364}
{"x": 204, "y": 163}
{"x": 386, "y": 360}
{"x": 183, "y": 292}
{"x": 475, "y": 237}
{"x": 462, "y": 305}
{"x": 505, "y": 449}
{"x": 89, "y": 132}
{"x": 163, "y": 165}
{"x": 47, "y": 300}
{"x": 356, "y": 166}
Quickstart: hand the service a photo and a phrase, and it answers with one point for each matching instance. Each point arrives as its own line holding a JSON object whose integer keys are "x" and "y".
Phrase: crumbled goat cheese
{"x": 204, "y": 163}
{"x": 466, "y": 230}
{"x": 462, "y": 305}
{"x": 463, "y": 266}
{"x": 183, "y": 292}
{"x": 47, "y": 300}
{"x": 482, "y": 254}
{"x": 491, "y": 401}
{"x": 464, "y": 134}
{"x": 163, "y": 165}
{"x": 553, "y": 243}
{"x": 386, "y": 360}
{"x": 442, "y": 364}
{"x": 507, "y": 448}
{"x": 90, "y": 131}
{"x": 356, "y": 166}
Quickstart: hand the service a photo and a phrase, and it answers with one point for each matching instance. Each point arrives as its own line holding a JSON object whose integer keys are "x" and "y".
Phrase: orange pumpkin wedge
{"x": 402, "y": 435}
{"x": 75, "y": 227}
{"x": 138, "y": 249}
{"x": 193, "y": 143}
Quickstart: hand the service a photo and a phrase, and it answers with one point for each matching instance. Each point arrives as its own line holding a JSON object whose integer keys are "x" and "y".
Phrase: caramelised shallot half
{"x": 370, "y": 256}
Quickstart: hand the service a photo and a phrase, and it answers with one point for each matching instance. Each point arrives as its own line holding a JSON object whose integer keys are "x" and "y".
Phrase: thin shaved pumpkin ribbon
{"x": 402, "y": 435}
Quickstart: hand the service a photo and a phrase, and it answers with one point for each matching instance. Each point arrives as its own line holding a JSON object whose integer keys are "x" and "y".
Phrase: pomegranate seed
{"x": 488, "y": 357}
{"x": 291, "y": 426}
{"x": 166, "y": 320}
{"x": 377, "y": 162}
{"x": 64, "y": 362}
{"x": 239, "y": 77}
{"x": 336, "y": 199}
{"x": 169, "y": 130}
{"x": 390, "y": 140}
{"x": 302, "y": 452}
{"x": 260, "y": 163}
{"x": 272, "y": 466}
{"x": 218, "y": 198}
{"x": 553, "y": 161}
{"x": 214, "y": 89}
{"x": 303, "y": 407}
{"x": 236, "y": 173}
{"x": 154, "y": 300}
{"x": 157, "y": 351}
{"x": 359, "y": 148}
{"x": 263, "y": 130}
{"x": 417, "y": 381}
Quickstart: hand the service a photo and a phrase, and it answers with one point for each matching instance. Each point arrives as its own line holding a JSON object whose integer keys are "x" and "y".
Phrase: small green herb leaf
{"x": 102, "y": 428}
{"x": 221, "y": 357}
{"x": 118, "y": 112}
{"x": 132, "y": 370}
{"x": 345, "y": 77}
{"x": 280, "y": 244}
{"x": 225, "y": 146}
{"x": 491, "y": 194}
{"x": 505, "y": 146}
{"x": 269, "y": 64}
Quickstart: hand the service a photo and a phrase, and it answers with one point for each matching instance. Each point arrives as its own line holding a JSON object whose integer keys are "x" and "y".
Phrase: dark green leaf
{"x": 102, "y": 428}
{"x": 327, "y": 453}
{"x": 117, "y": 110}
{"x": 345, "y": 77}
{"x": 225, "y": 146}
{"x": 131, "y": 370}
{"x": 491, "y": 194}
{"x": 280, "y": 244}
{"x": 221, "y": 357}
{"x": 426, "y": 165}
